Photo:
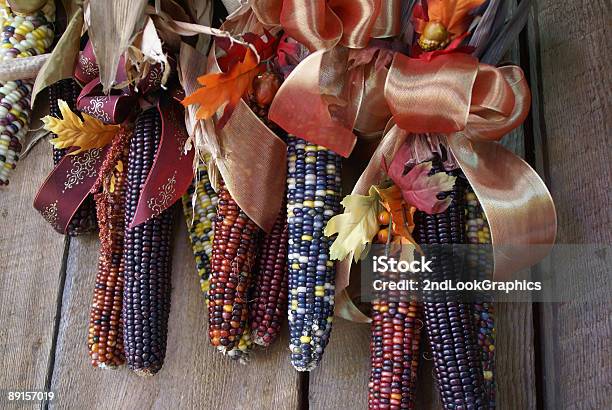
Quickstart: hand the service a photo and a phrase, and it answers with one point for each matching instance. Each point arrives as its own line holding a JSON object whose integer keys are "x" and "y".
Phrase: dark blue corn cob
{"x": 84, "y": 220}
{"x": 199, "y": 216}
{"x": 484, "y": 315}
{"x": 449, "y": 323}
{"x": 313, "y": 197}
{"x": 146, "y": 258}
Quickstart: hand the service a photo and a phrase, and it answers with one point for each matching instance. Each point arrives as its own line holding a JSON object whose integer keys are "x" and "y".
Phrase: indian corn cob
{"x": 449, "y": 324}
{"x": 147, "y": 259}
{"x": 84, "y": 220}
{"x": 105, "y": 335}
{"x": 234, "y": 254}
{"x": 199, "y": 216}
{"x": 394, "y": 354}
{"x": 269, "y": 301}
{"x": 313, "y": 197}
{"x": 484, "y": 314}
{"x": 394, "y": 342}
{"x": 22, "y": 36}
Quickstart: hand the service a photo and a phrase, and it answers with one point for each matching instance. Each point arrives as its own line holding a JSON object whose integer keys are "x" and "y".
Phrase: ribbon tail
{"x": 518, "y": 206}
{"x": 67, "y": 186}
{"x": 252, "y": 165}
{"x": 346, "y": 309}
{"x": 172, "y": 170}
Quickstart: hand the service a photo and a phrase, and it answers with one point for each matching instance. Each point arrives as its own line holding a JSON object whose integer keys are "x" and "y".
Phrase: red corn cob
{"x": 234, "y": 254}
{"x": 269, "y": 301}
{"x": 394, "y": 354}
{"x": 105, "y": 335}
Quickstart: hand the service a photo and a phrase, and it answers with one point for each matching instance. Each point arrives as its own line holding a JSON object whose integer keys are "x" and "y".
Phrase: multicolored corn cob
{"x": 147, "y": 259}
{"x": 313, "y": 197}
{"x": 234, "y": 253}
{"x": 394, "y": 354}
{"x": 269, "y": 301}
{"x": 22, "y": 36}
{"x": 105, "y": 335}
{"x": 483, "y": 314}
{"x": 394, "y": 342}
{"x": 68, "y": 90}
{"x": 449, "y": 324}
{"x": 199, "y": 216}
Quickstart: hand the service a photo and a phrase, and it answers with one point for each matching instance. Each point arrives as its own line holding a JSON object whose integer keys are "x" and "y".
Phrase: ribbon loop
{"x": 321, "y": 25}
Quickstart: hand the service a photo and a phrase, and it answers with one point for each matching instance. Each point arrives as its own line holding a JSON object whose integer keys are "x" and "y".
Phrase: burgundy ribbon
{"x": 172, "y": 170}
{"x": 67, "y": 186}
{"x": 71, "y": 180}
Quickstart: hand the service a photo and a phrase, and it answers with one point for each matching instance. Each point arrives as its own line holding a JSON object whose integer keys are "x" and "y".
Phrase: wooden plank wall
{"x": 569, "y": 42}
{"x": 552, "y": 356}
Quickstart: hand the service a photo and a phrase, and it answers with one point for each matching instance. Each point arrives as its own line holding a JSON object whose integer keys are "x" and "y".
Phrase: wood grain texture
{"x": 194, "y": 375}
{"x": 572, "y": 128}
{"x": 31, "y": 255}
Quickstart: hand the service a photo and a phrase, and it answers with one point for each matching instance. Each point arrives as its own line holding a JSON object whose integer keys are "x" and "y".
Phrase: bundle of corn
{"x": 394, "y": 345}
{"x": 146, "y": 259}
{"x": 268, "y": 304}
{"x": 313, "y": 197}
{"x": 105, "y": 335}
{"x": 199, "y": 214}
{"x": 484, "y": 315}
{"x": 68, "y": 90}
{"x": 234, "y": 253}
{"x": 449, "y": 323}
{"x": 22, "y": 36}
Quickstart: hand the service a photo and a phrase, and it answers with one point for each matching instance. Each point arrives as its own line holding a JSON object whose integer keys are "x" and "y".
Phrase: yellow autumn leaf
{"x": 356, "y": 227}
{"x": 84, "y": 134}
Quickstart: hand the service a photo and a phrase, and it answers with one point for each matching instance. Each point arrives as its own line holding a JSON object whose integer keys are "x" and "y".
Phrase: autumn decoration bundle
{"x": 251, "y": 127}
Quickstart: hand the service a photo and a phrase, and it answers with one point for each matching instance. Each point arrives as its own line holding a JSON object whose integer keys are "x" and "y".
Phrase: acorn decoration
{"x": 435, "y": 36}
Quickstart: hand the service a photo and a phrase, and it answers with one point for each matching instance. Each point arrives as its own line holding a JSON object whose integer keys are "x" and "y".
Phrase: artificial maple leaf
{"x": 72, "y": 132}
{"x": 355, "y": 227}
{"x": 454, "y": 14}
{"x": 224, "y": 89}
{"x": 402, "y": 214}
{"x": 419, "y": 188}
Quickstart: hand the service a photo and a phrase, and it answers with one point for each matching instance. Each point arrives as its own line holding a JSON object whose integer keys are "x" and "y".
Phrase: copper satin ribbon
{"x": 322, "y": 24}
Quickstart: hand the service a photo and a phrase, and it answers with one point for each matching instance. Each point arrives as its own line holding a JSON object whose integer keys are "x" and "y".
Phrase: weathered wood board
{"x": 572, "y": 129}
{"x": 193, "y": 376}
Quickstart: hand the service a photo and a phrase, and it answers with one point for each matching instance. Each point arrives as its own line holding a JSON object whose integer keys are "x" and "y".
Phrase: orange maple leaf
{"x": 454, "y": 14}
{"x": 224, "y": 89}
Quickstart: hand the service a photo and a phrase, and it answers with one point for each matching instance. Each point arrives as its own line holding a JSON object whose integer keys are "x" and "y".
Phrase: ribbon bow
{"x": 74, "y": 176}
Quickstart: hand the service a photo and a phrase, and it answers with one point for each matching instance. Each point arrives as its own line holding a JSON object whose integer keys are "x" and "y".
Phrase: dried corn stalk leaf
{"x": 113, "y": 24}
{"x": 60, "y": 63}
{"x": 72, "y": 132}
